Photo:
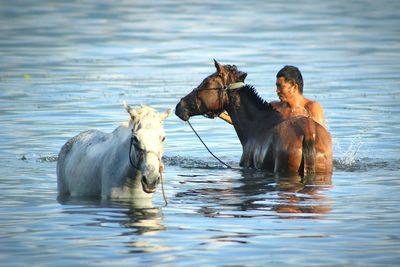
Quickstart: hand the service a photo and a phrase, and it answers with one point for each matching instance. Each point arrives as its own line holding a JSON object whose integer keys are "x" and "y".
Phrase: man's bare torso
{"x": 309, "y": 108}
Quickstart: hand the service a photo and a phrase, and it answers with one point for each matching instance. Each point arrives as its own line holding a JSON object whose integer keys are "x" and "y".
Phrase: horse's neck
{"x": 122, "y": 136}
{"x": 249, "y": 113}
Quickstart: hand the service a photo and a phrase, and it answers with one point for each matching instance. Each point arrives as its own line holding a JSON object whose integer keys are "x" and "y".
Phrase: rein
{"x": 212, "y": 154}
{"x": 161, "y": 168}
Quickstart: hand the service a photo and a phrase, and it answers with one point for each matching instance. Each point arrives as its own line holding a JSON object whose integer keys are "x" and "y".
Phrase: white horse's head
{"x": 147, "y": 144}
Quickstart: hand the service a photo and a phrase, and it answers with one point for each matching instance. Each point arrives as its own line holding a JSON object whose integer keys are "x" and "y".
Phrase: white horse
{"x": 123, "y": 164}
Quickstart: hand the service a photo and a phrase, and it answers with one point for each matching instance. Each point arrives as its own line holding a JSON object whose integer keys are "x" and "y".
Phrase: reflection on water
{"x": 138, "y": 215}
{"x": 257, "y": 194}
{"x": 304, "y": 196}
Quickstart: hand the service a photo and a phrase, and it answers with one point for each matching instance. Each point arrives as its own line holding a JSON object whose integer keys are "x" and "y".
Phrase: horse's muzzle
{"x": 182, "y": 112}
{"x": 149, "y": 186}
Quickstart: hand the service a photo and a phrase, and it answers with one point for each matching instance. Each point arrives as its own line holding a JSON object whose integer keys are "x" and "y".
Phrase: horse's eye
{"x": 163, "y": 139}
{"x": 135, "y": 139}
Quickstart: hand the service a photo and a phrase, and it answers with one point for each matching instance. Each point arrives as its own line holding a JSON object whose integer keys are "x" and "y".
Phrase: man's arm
{"x": 317, "y": 113}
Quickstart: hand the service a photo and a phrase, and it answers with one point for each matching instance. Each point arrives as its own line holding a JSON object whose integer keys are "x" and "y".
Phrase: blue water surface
{"x": 67, "y": 66}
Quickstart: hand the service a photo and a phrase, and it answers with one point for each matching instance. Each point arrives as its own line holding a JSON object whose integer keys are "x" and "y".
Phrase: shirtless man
{"x": 289, "y": 88}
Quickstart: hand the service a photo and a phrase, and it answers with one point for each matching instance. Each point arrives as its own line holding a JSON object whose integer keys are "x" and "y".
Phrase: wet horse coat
{"x": 123, "y": 164}
{"x": 295, "y": 145}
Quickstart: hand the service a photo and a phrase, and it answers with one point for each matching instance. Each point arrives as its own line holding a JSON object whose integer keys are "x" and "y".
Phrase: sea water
{"x": 67, "y": 66}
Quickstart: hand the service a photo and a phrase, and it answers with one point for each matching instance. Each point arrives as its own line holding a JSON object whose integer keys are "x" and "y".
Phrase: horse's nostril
{"x": 178, "y": 109}
{"x": 149, "y": 186}
{"x": 181, "y": 112}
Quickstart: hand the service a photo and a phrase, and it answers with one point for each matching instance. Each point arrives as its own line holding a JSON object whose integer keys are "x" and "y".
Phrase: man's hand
{"x": 224, "y": 115}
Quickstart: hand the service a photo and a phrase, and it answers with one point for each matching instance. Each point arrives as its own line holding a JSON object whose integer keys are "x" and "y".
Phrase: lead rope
{"x": 162, "y": 183}
{"x": 212, "y": 154}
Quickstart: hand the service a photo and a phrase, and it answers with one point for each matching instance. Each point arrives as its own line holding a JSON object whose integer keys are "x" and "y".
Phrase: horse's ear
{"x": 165, "y": 115}
{"x": 126, "y": 106}
{"x": 218, "y": 66}
{"x": 242, "y": 76}
{"x": 130, "y": 110}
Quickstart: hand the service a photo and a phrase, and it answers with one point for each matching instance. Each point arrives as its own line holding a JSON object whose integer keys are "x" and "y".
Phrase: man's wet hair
{"x": 292, "y": 74}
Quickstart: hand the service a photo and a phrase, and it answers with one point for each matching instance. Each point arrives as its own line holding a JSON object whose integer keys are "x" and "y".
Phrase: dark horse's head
{"x": 208, "y": 98}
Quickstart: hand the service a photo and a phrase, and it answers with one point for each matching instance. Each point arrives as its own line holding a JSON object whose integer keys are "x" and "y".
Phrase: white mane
{"x": 144, "y": 113}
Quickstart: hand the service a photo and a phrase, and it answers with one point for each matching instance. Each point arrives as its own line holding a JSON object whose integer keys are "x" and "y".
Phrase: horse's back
{"x": 79, "y": 163}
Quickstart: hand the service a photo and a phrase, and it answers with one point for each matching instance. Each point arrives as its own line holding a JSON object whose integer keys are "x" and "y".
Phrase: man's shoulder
{"x": 312, "y": 105}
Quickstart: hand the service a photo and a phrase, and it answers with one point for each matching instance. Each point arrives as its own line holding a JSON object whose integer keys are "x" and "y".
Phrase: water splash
{"x": 41, "y": 159}
{"x": 49, "y": 158}
{"x": 348, "y": 159}
{"x": 185, "y": 162}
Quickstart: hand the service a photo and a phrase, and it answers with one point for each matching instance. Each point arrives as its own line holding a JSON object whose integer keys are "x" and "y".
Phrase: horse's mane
{"x": 256, "y": 99}
{"x": 143, "y": 112}
{"x": 231, "y": 68}
{"x": 251, "y": 92}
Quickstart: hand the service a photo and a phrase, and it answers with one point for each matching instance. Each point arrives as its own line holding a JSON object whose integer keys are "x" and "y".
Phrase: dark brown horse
{"x": 270, "y": 142}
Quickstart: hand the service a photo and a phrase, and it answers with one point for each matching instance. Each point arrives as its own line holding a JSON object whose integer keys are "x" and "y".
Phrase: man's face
{"x": 284, "y": 89}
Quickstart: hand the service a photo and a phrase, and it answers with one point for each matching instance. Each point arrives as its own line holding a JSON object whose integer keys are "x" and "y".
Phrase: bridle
{"x": 143, "y": 152}
{"x": 221, "y": 93}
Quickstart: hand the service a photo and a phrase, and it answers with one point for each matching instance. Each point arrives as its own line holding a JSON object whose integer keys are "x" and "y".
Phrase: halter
{"x": 141, "y": 157}
{"x": 221, "y": 91}
{"x": 142, "y": 153}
